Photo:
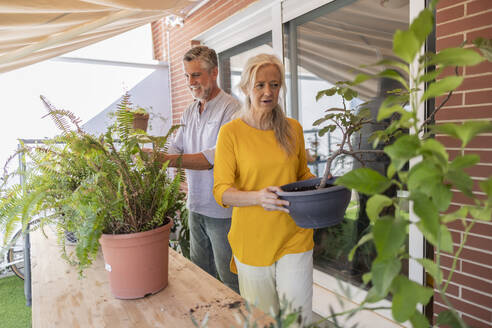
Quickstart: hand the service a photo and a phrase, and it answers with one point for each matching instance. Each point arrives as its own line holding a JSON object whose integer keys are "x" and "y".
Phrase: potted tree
{"x": 125, "y": 196}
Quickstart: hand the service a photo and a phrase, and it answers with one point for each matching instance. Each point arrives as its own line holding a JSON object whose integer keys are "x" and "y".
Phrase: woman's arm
{"x": 266, "y": 198}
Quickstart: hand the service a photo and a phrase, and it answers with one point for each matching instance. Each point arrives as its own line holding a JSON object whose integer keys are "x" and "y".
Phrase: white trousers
{"x": 290, "y": 277}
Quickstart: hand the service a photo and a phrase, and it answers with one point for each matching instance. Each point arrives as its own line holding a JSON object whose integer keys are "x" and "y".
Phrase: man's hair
{"x": 203, "y": 53}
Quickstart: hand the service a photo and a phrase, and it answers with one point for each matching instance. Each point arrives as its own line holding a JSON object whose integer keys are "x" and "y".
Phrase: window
{"x": 322, "y": 47}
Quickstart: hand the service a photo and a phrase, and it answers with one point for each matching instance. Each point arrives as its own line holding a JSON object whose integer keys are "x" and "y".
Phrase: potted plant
{"x": 126, "y": 195}
{"x": 140, "y": 117}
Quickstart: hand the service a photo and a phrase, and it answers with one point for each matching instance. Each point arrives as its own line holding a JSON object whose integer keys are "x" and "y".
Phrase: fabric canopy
{"x": 36, "y": 30}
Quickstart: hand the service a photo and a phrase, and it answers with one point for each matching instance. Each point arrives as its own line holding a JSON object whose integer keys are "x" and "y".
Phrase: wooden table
{"x": 61, "y": 299}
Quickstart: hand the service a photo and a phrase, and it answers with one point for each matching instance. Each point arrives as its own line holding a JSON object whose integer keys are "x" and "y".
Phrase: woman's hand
{"x": 268, "y": 199}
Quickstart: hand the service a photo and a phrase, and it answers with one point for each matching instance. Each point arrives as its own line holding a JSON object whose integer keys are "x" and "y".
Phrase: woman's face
{"x": 264, "y": 91}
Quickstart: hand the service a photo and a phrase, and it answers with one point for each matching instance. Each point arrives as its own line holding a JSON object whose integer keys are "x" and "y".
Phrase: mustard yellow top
{"x": 250, "y": 159}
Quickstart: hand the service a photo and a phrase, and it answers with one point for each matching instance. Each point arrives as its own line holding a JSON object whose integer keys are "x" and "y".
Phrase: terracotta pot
{"x": 140, "y": 121}
{"x": 137, "y": 263}
{"x": 319, "y": 208}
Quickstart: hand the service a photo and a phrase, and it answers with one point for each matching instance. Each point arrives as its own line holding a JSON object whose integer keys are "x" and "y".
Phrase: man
{"x": 195, "y": 143}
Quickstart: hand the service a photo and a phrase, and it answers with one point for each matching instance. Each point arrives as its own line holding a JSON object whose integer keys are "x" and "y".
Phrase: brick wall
{"x": 471, "y": 288}
{"x": 181, "y": 39}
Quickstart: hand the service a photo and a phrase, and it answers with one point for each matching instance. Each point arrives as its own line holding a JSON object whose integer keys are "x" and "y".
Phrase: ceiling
{"x": 36, "y": 30}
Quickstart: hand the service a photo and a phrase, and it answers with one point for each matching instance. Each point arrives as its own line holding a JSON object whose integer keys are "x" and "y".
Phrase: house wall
{"x": 181, "y": 40}
{"x": 471, "y": 288}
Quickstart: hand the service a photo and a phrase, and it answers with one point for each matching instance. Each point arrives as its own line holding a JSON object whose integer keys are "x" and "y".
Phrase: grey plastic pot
{"x": 319, "y": 208}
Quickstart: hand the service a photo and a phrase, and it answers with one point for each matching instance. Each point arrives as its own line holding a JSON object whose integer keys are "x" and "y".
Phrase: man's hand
{"x": 268, "y": 199}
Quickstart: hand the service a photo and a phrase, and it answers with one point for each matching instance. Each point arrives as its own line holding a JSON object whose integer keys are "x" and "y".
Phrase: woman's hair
{"x": 275, "y": 119}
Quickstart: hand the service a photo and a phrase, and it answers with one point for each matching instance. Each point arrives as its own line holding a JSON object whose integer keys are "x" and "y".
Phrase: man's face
{"x": 201, "y": 81}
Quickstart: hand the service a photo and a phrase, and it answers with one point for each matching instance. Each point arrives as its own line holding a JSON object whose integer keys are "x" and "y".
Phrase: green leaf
{"x": 364, "y": 180}
{"x": 464, "y": 161}
{"x": 375, "y": 204}
{"x": 432, "y": 268}
{"x": 364, "y": 239}
{"x": 360, "y": 78}
{"x": 448, "y": 317}
{"x": 406, "y": 45}
{"x": 389, "y": 235}
{"x": 406, "y": 295}
{"x": 466, "y": 131}
{"x": 432, "y": 147}
{"x": 327, "y": 92}
{"x": 442, "y": 86}
{"x": 456, "y": 57}
{"x": 430, "y": 76}
{"x": 459, "y": 214}
{"x": 366, "y": 278}
{"x": 418, "y": 320}
{"x": 383, "y": 272}
{"x": 461, "y": 180}
{"x": 423, "y": 176}
{"x": 481, "y": 213}
{"x": 486, "y": 187}
{"x": 402, "y": 150}
{"x": 391, "y": 104}
{"x": 290, "y": 319}
{"x": 485, "y": 47}
{"x": 446, "y": 244}
{"x": 389, "y": 62}
{"x": 427, "y": 212}
{"x": 441, "y": 196}
{"x": 422, "y": 25}
{"x": 394, "y": 75}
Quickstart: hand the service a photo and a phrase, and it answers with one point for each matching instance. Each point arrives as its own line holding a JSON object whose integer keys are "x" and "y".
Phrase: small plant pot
{"x": 317, "y": 208}
{"x": 140, "y": 121}
{"x": 137, "y": 263}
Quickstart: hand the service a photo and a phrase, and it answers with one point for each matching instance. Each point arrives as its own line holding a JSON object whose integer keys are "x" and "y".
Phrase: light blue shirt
{"x": 199, "y": 135}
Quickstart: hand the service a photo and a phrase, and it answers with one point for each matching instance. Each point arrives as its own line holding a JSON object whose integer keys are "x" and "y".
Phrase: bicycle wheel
{"x": 16, "y": 255}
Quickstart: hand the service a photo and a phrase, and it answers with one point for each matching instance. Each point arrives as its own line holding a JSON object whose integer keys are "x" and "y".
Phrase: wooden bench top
{"x": 61, "y": 299}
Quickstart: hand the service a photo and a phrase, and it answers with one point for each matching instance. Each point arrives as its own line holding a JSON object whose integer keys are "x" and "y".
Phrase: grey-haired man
{"x": 195, "y": 143}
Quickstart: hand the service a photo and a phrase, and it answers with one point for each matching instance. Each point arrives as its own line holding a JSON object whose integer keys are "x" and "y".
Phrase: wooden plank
{"x": 61, "y": 299}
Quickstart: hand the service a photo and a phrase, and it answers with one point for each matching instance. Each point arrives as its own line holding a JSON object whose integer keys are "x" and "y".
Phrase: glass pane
{"x": 323, "y": 47}
{"x": 232, "y": 62}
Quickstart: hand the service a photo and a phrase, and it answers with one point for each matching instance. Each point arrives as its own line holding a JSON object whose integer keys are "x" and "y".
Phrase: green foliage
{"x": 93, "y": 185}
{"x": 419, "y": 166}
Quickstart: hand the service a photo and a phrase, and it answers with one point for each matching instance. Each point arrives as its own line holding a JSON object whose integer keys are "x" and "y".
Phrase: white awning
{"x": 36, "y": 30}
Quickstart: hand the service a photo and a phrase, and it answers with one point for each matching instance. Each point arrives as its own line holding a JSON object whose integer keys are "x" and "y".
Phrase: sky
{"x": 85, "y": 89}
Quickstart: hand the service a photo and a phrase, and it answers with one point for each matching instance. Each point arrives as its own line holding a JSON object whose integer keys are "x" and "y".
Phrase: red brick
{"x": 455, "y": 100}
{"x": 479, "y": 242}
{"x": 462, "y": 113}
{"x": 476, "y": 82}
{"x": 447, "y": 262}
{"x": 452, "y": 41}
{"x": 476, "y": 270}
{"x": 466, "y": 307}
{"x": 477, "y": 298}
{"x": 484, "y": 33}
{"x": 476, "y": 256}
{"x": 478, "y": 6}
{"x": 477, "y": 142}
{"x": 448, "y": 14}
{"x": 447, "y": 3}
{"x": 452, "y": 290}
{"x": 482, "y": 171}
{"x": 448, "y": 71}
{"x": 478, "y": 97}
{"x": 476, "y": 323}
{"x": 464, "y": 24}
{"x": 481, "y": 229}
{"x": 483, "y": 67}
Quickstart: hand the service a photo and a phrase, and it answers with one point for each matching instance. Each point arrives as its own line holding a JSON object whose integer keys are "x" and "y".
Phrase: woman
{"x": 256, "y": 153}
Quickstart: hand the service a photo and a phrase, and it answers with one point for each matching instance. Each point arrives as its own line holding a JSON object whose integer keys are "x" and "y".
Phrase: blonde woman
{"x": 257, "y": 152}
